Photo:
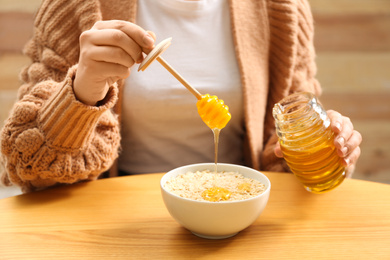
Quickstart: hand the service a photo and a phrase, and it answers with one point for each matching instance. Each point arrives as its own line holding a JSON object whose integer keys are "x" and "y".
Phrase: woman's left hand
{"x": 347, "y": 140}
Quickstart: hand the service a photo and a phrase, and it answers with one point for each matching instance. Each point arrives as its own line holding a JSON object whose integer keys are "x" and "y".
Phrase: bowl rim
{"x": 164, "y": 178}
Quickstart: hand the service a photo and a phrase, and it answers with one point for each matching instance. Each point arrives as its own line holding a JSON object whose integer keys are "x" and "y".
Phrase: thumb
{"x": 153, "y": 35}
{"x": 278, "y": 150}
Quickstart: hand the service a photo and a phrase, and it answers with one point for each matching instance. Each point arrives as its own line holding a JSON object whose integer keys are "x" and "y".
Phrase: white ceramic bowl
{"x": 215, "y": 220}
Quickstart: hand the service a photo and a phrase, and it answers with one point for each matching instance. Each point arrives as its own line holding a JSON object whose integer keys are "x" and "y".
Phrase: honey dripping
{"x": 215, "y": 114}
{"x": 216, "y": 132}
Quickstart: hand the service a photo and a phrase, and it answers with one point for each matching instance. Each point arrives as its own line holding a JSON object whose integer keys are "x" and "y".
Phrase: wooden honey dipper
{"x": 212, "y": 110}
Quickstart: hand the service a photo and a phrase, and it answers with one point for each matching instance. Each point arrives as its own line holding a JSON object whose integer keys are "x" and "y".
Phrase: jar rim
{"x": 286, "y": 106}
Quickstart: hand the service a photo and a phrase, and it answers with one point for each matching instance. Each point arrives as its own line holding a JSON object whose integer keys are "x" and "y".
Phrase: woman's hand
{"x": 347, "y": 140}
{"x": 107, "y": 51}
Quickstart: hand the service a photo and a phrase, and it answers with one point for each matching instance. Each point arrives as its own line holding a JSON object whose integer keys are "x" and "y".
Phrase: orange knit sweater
{"x": 50, "y": 138}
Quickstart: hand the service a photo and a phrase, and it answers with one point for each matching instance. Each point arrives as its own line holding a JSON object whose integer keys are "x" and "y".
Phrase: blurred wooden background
{"x": 352, "y": 40}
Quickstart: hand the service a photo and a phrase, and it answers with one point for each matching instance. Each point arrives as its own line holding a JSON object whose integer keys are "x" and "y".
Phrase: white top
{"x": 161, "y": 126}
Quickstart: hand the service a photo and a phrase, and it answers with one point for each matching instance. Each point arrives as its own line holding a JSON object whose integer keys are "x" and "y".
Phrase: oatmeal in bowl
{"x": 213, "y": 204}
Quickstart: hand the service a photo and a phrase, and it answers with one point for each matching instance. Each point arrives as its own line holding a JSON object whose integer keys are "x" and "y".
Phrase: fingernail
{"x": 338, "y": 126}
{"x": 341, "y": 141}
{"x": 148, "y": 40}
{"x": 344, "y": 150}
{"x": 140, "y": 59}
{"x": 346, "y": 161}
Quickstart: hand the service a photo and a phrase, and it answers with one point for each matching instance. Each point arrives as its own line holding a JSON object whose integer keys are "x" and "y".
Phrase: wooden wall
{"x": 353, "y": 55}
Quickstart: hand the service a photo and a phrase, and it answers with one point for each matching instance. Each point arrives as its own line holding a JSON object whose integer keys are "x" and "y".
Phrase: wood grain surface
{"x": 125, "y": 218}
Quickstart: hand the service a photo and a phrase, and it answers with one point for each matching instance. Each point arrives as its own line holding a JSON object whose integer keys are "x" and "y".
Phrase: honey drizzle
{"x": 215, "y": 194}
{"x": 216, "y": 132}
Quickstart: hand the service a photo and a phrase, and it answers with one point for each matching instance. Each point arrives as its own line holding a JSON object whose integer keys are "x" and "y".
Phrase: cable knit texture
{"x": 50, "y": 138}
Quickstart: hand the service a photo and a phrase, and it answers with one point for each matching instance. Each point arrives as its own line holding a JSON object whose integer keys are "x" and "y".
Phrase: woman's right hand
{"x": 107, "y": 51}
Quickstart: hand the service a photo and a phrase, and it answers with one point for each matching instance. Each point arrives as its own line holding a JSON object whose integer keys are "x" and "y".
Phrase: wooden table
{"x": 125, "y": 218}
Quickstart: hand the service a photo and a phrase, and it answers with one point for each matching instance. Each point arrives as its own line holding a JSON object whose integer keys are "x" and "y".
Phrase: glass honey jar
{"x": 307, "y": 142}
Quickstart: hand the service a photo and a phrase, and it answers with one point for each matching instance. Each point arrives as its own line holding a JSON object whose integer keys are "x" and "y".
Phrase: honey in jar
{"x": 307, "y": 142}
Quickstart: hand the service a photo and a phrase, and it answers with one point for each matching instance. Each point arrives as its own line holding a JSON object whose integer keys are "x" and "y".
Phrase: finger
{"x": 352, "y": 143}
{"x": 278, "y": 150}
{"x": 111, "y": 54}
{"x": 352, "y": 158}
{"x": 336, "y": 120}
{"x": 345, "y": 134}
{"x": 148, "y": 50}
{"x": 111, "y": 37}
{"x": 343, "y": 137}
{"x": 152, "y": 34}
{"x": 350, "y": 170}
{"x": 139, "y": 35}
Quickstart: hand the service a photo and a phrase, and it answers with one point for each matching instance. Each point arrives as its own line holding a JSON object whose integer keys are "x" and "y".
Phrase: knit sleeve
{"x": 51, "y": 138}
{"x": 292, "y": 65}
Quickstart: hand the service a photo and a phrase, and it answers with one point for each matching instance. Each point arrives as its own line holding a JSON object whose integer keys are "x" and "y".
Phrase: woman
{"x": 65, "y": 129}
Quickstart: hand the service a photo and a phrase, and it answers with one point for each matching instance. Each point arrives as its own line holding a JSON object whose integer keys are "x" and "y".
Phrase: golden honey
{"x": 244, "y": 187}
{"x": 215, "y": 114}
{"x": 216, "y": 132}
{"x": 307, "y": 142}
{"x": 215, "y": 194}
{"x": 213, "y": 111}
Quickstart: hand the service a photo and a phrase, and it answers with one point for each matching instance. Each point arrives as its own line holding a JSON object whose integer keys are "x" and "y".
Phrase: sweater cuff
{"x": 68, "y": 123}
